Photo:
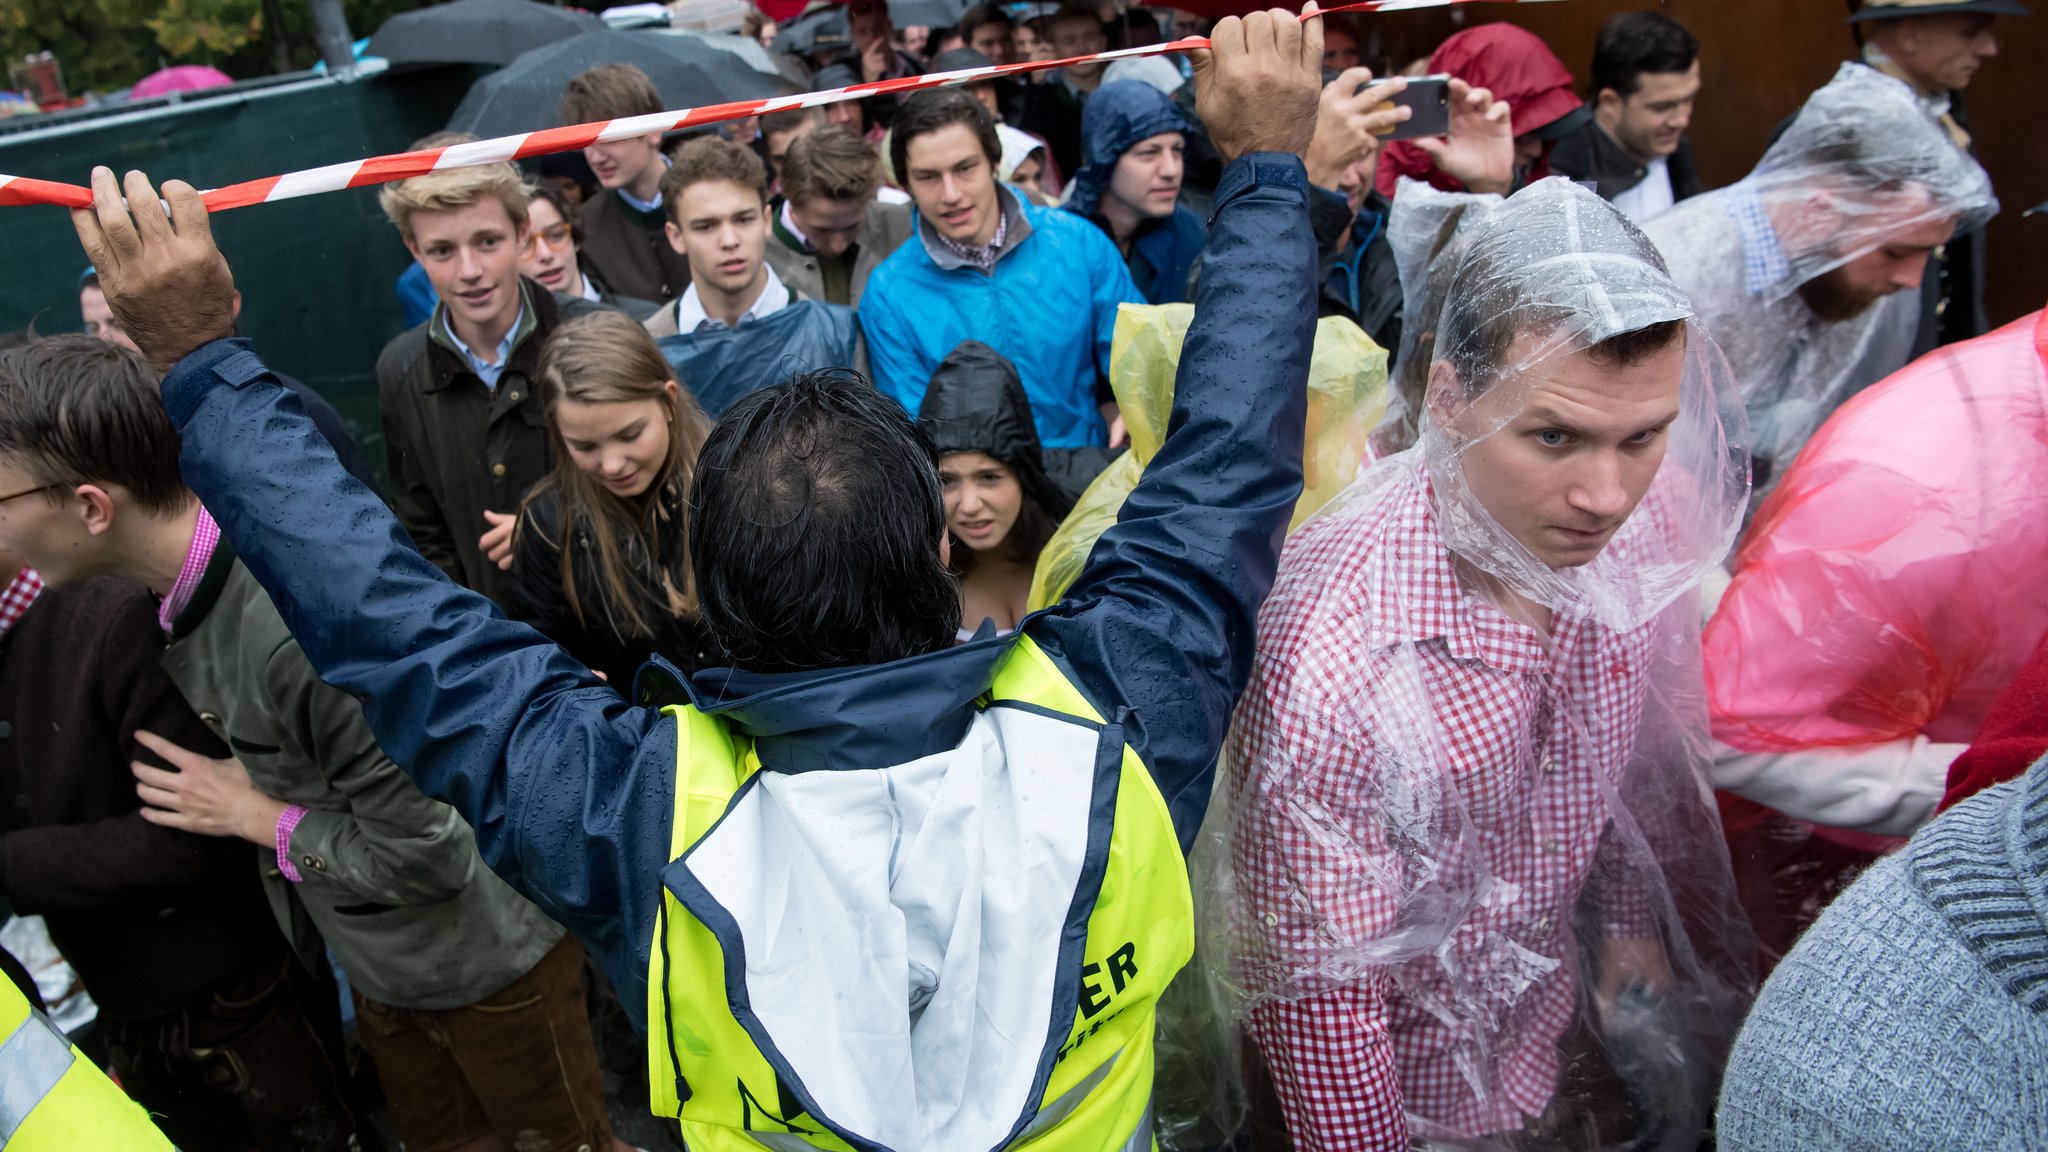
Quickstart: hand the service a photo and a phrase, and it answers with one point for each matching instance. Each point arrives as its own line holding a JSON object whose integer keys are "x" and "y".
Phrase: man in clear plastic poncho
{"x": 1808, "y": 270}
{"x": 1480, "y": 898}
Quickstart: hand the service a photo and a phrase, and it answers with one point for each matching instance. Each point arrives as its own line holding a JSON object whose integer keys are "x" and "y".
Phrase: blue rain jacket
{"x": 722, "y": 365}
{"x": 1120, "y": 115}
{"x": 570, "y": 787}
{"x": 1049, "y": 307}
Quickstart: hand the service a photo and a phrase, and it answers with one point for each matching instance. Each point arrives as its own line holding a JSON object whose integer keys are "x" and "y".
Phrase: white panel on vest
{"x": 902, "y": 926}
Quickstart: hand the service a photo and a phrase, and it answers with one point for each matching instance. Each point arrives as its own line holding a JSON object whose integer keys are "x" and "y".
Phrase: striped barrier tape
{"x": 20, "y": 190}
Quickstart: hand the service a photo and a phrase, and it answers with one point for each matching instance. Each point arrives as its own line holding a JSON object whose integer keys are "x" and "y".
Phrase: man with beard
{"x": 1807, "y": 272}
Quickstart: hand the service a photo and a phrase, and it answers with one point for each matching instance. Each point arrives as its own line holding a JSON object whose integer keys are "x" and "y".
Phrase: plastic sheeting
{"x": 1860, "y": 167}
{"x": 1471, "y": 881}
{"x": 1898, "y": 578}
{"x": 1347, "y": 380}
{"x": 1426, "y": 230}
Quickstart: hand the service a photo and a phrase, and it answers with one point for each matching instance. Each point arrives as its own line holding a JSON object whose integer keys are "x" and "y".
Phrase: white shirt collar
{"x": 646, "y": 205}
{"x": 690, "y": 315}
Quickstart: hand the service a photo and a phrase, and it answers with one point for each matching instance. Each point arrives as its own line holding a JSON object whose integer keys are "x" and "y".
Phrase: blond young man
{"x": 463, "y": 430}
{"x": 622, "y": 225}
{"x": 827, "y": 230}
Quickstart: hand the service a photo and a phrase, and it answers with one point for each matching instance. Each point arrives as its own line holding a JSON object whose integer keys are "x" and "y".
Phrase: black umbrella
{"x": 930, "y": 13}
{"x": 526, "y": 94}
{"x": 820, "y": 33}
{"x": 476, "y": 31}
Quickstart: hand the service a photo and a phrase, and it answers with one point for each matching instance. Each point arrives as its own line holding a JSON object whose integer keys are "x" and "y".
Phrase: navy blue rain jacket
{"x": 1120, "y": 115}
{"x": 570, "y": 787}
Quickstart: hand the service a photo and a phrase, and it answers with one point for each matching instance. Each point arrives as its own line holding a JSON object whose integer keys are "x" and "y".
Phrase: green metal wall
{"x": 315, "y": 273}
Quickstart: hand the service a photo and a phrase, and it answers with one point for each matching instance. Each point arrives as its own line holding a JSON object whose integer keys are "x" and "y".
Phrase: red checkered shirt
{"x": 18, "y": 595}
{"x": 1421, "y": 787}
{"x": 205, "y": 538}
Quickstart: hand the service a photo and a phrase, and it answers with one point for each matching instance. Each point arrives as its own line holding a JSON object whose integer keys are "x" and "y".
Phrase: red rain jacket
{"x": 1515, "y": 65}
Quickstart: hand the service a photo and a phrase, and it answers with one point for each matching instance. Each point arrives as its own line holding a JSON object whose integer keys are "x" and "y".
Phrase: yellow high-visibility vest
{"x": 957, "y": 954}
{"x": 52, "y": 1099}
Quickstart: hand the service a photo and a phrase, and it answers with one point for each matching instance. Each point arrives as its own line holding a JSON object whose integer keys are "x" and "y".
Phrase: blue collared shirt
{"x": 1764, "y": 263}
{"x": 489, "y": 373}
{"x": 646, "y": 205}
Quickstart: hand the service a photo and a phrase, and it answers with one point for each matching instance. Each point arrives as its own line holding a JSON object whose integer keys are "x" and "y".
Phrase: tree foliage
{"x": 109, "y": 44}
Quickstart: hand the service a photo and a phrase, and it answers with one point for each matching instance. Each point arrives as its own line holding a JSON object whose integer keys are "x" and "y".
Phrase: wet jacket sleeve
{"x": 1160, "y": 619}
{"x": 896, "y": 361}
{"x": 569, "y": 789}
{"x": 391, "y": 844}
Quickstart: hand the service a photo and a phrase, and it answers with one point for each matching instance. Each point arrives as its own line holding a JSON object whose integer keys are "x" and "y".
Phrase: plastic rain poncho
{"x": 1861, "y": 167}
{"x": 1475, "y": 883}
{"x": 1347, "y": 380}
{"x": 1427, "y": 230}
{"x": 1888, "y": 591}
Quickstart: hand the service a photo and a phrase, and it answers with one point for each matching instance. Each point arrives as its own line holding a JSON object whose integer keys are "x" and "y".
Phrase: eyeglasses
{"x": 555, "y": 237}
{"x": 29, "y": 492}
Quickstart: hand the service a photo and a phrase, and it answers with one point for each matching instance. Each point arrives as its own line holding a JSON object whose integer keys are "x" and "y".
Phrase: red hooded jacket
{"x": 1516, "y": 66}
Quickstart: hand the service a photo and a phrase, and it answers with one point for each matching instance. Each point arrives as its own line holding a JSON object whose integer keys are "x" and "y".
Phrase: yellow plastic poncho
{"x": 1347, "y": 394}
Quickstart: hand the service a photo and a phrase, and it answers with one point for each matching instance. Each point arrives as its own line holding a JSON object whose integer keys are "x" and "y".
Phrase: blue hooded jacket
{"x": 1117, "y": 118}
{"x": 570, "y": 786}
{"x": 1049, "y": 307}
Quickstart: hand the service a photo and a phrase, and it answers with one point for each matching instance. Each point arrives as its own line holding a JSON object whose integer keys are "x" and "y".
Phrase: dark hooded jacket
{"x": 1163, "y": 252}
{"x": 976, "y": 403}
{"x": 1516, "y": 66}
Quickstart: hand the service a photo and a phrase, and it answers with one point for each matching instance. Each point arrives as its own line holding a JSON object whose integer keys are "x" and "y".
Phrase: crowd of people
{"x": 674, "y": 705}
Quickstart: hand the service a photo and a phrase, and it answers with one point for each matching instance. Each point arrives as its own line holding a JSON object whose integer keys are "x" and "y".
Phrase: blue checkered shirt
{"x": 1764, "y": 263}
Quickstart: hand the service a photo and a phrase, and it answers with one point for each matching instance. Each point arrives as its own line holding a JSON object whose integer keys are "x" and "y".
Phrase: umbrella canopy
{"x": 183, "y": 78}
{"x": 476, "y": 31}
{"x": 524, "y": 95}
{"x": 821, "y": 32}
{"x": 929, "y": 13}
{"x": 746, "y": 48}
{"x": 902, "y": 13}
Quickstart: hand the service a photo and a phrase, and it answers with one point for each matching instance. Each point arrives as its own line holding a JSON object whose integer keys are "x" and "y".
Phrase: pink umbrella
{"x": 183, "y": 78}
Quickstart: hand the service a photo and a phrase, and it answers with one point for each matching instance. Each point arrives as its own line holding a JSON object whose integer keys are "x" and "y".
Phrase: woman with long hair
{"x": 601, "y": 558}
{"x": 1001, "y": 507}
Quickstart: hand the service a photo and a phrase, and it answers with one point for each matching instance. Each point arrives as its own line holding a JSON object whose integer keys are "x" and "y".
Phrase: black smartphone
{"x": 1429, "y": 100}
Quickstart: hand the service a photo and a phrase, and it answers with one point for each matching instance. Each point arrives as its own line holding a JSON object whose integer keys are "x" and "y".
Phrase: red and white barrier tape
{"x": 19, "y": 190}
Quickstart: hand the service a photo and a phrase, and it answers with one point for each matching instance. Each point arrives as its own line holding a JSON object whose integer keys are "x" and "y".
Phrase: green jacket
{"x": 390, "y": 878}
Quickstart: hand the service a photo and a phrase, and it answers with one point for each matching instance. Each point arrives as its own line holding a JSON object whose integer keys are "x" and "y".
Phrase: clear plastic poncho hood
{"x": 1541, "y": 277}
{"x": 1862, "y": 166}
{"x": 1464, "y": 872}
{"x": 1861, "y": 161}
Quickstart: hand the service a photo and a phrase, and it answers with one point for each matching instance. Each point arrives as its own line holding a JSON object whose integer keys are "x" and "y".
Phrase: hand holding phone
{"x": 1353, "y": 115}
{"x": 1428, "y": 100}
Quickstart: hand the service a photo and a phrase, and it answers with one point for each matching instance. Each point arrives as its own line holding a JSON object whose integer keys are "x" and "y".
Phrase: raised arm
{"x": 1160, "y": 619}
{"x": 535, "y": 753}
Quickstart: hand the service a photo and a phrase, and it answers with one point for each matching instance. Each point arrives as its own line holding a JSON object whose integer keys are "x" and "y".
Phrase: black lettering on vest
{"x": 1092, "y": 999}
{"x": 786, "y": 1099}
{"x": 1123, "y": 964}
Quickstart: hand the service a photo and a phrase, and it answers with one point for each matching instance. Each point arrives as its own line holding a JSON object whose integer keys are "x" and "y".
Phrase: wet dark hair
{"x": 1632, "y": 43}
{"x": 815, "y": 521}
{"x": 76, "y": 410}
{"x": 927, "y": 112}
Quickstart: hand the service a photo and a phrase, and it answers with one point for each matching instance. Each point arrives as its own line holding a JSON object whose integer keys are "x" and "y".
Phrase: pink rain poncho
{"x": 1472, "y": 885}
{"x": 1887, "y": 592}
{"x": 1898, "y": 577}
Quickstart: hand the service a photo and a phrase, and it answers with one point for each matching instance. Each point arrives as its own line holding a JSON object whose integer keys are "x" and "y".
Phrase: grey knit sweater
{"x": 1914, "y": 1014}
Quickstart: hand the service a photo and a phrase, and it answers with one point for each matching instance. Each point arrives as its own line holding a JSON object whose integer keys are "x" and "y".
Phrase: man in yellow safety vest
{"x": 872, "y": 889}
